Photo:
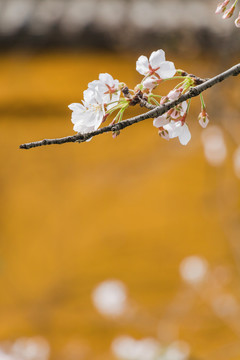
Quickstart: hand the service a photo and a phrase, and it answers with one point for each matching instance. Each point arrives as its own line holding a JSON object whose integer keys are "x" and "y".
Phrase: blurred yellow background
{"x": 126, "y": 248}
{"x": 130, "y": 208}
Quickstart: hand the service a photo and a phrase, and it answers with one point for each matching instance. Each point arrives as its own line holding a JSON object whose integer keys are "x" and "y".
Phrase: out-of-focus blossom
{"x": 107, "y": 88}
{"x": 222, "y": 7}
{"x": 214, "y": 146}
{"x": 228, "y": 13}
{"x": 237, "y": 21}
{"x": 36, "y": 348}
{"x": 225, "y": 305}
{"x": 110, "y": 298}
{"x": 203, "y": 119}
{"x": 178, "y": 350}
{"x": 193, "y": 269}
{"x": 127, "y": 348}
{"x": 176, "y": 129}
{"x": 236, "y": 162}
{"x": 156, "y": 65}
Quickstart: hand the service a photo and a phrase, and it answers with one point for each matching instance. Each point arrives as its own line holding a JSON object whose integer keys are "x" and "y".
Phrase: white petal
{"x": 106, "y": 79}
{"x": 185, "y": 135}
{"x": 173, "y": 129}
{"x": 93, "y": 84}
{"x": 89, "y": 96}
{"x": 76, "y": 107}
{"x": 184, "y": 107}
{"x": 167, "y": 70}
{"x": 80, "y": 128}
{"x": 142, "y": 65}
{"x": 160, "y": 121}
{"x": 156, "y": 58}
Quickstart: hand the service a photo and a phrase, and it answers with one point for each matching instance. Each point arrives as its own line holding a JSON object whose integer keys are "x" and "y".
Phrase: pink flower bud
{"x": 237, "y": 21}
{"x": 228, "y": 13}
{"x": 222, "y": 7}
{"x": 150, "y": 83}
{"x": 175, "y": 94}
{"x": 203, "y": 119}
{"x": 164, "y": 100}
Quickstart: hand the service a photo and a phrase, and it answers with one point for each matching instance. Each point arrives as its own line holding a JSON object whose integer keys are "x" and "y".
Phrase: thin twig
{"x": 155, "y": 112}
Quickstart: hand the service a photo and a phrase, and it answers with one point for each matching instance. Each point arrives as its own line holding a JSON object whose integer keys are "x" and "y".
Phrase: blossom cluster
{"x": 106, "y": 96}
{"x": 228, "y": 12}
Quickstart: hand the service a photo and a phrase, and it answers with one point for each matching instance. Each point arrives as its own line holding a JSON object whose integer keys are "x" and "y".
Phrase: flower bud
{"x": 175, "y": 94}
{"x": 203, "y": 119}
{"x": 222, "y": 7}
{"x": 237, "y": 21}
{"x": 150, "y": 83}
{"x": 228, "y": 13}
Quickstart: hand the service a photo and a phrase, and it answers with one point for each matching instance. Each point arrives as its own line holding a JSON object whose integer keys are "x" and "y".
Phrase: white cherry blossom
{"x": 156, "y": 65}
{"x": 107, "y": 88}
{"x": 178, "y": 112}
{"x": 88, "y": 116}
{"x": 177, "y": 129}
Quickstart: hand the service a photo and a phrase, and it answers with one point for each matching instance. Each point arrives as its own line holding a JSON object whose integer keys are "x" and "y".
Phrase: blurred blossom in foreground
{"x": 214, "y": 146}
{"x": 110, "y": 298}
{"x": 193, "y": 269}
{"x": 26, "y": 349}
{"x": 225, "y": 305}
{"x": 236, "y": 162}
{"x": 178, "y": 350}
{"x": 127, "y": 348}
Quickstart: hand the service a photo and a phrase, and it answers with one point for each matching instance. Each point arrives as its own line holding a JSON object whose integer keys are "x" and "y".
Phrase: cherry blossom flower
{"x": 108, "y": 88}
{"x": 88, "y": 116}
{"x": 222, "y": 7}
{"x": 177, "y": 114}
{"x": 178, "y": 111}
{"x": 237, "y": 21}
{"x": 156, "y": 65}
{"x": 176, "y": 129}
{"x": 203, "y": 119}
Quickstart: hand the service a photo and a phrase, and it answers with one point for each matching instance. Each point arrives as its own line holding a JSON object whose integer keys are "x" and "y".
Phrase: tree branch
{"x": 155, "y": 112}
